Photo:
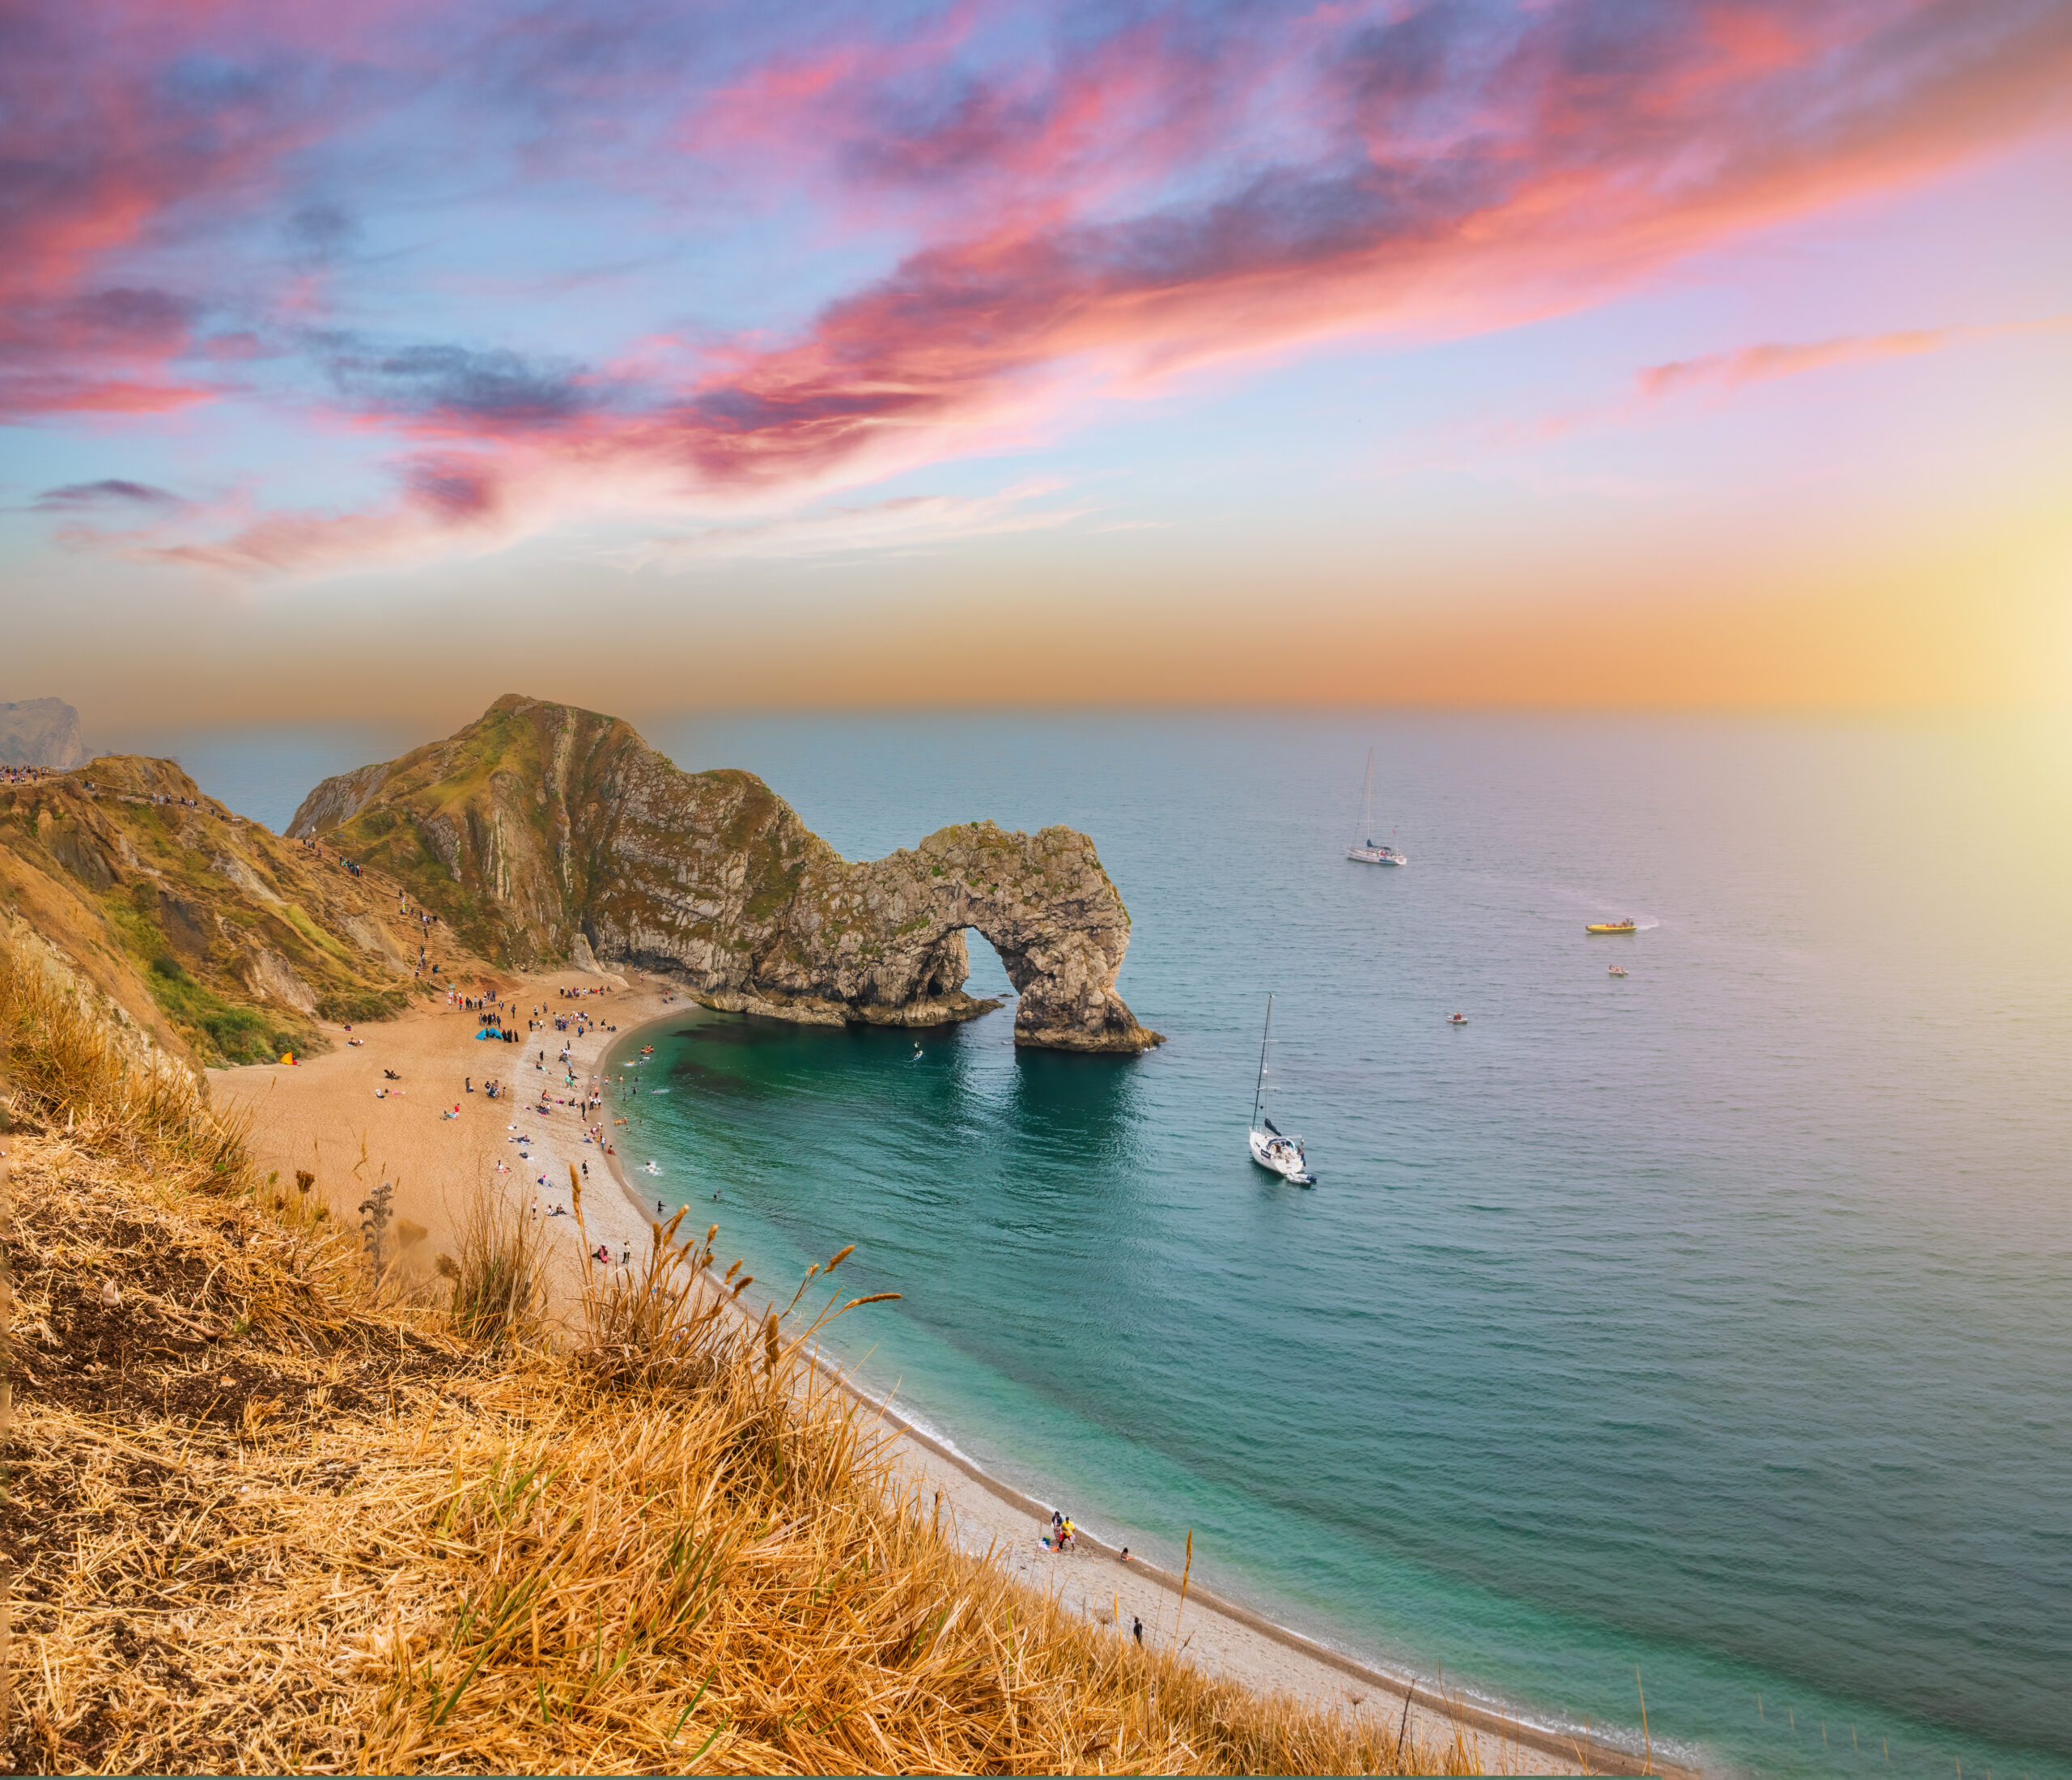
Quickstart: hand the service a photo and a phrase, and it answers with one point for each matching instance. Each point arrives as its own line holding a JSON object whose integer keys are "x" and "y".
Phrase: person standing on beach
{"x": 1136, "y": 1630}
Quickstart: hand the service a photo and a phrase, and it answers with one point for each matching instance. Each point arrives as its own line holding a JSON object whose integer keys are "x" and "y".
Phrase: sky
{"x": 368, "y": 361}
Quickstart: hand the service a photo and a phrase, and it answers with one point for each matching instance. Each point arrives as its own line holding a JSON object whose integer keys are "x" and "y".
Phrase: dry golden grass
{"x": 278, "y": 1520}
{"x": 64, "y": 1064}
{"x": 499, "y": 1279}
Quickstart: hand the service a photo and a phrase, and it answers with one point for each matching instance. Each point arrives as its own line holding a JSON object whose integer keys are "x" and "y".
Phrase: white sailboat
{"x": 1270, "y": 1149}
{"x": 1365, "y": 849}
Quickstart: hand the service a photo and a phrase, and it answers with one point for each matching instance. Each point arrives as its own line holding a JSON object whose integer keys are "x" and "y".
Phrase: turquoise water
{"x": 1715, "y": 1321}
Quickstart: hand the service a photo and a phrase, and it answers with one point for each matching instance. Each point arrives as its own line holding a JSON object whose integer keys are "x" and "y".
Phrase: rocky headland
{"x": 541, "y": 833}
{"x": 200, "y": 932}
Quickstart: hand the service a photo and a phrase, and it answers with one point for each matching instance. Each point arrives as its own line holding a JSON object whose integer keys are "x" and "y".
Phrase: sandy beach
{"x": 440, "y": 1137}
{"x": 437, "y": 1133}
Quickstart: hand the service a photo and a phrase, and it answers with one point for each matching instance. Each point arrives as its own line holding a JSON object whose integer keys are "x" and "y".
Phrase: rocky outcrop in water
{"x": 541, "y": 833}
{"x": 41, "y": 732}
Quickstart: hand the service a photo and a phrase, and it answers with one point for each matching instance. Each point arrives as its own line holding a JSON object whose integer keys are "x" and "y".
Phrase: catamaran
{"x": 1365, "y": 849}
{"x": 1270, "y": 1149}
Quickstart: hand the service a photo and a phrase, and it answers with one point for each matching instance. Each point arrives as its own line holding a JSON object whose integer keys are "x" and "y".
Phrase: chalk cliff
{"x": 542, "y": 833}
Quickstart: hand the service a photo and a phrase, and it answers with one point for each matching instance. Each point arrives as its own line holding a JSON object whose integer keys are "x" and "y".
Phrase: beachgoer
{"x": 1136, "y": 1628}
{"x": 1126, "y": 1554}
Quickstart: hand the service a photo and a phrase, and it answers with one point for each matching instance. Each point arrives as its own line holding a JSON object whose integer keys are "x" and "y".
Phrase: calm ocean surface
{"x": 1715, "y": 1321}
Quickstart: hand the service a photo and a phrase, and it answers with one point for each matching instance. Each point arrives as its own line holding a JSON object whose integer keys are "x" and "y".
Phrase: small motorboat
{"x": 1628, "y": 925}
{"x": 1618, "y": 970}
{"x": 1456, "y": 1019}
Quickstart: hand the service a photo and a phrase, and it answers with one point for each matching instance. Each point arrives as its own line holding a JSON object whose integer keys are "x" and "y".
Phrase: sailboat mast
{"x": 1258, "y": 1093}
{"x": 1365, "y": 837}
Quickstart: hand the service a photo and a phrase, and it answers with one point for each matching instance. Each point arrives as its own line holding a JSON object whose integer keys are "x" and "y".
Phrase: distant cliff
{"x": 541, "y": 833}
{"x": 41, "y": 732}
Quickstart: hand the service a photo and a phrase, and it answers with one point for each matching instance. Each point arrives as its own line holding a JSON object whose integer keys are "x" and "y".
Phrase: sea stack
{"x": 542, "y": 834}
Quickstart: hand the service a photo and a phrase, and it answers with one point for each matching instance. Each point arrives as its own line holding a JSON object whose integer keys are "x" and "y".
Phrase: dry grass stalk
{"x": 500, "y": 1277}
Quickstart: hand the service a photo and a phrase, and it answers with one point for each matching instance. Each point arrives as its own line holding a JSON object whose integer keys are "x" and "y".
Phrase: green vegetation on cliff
{"x": 221, "y": 940}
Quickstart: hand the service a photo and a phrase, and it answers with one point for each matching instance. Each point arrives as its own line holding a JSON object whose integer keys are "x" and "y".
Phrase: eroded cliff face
{"x": 219, "y": 941}
{"x": 541, "y": 831}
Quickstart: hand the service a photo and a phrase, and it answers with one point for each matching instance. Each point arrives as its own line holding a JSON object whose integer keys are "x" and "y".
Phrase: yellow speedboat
{"x": 1629, "y": 925}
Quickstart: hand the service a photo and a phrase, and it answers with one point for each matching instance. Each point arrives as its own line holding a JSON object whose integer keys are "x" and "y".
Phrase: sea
{"x": 1696, "y": 1341}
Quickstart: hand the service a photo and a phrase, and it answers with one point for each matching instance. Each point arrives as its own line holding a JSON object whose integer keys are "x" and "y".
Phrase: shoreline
{"x": 981, "y": 1504}
{"x": 440, "y": 1162}
{"x": 303, "y": 1115}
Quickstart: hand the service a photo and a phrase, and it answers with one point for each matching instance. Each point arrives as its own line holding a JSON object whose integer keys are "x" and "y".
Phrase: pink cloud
{"x": 1084, "y": 221}
{"x": 1759, "y": 364}
{"x": 1731, "y": 371}
{"x": 1580, "y": 155}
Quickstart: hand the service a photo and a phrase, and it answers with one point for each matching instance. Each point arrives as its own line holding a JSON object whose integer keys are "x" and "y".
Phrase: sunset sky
{"x": 373, "y": 359}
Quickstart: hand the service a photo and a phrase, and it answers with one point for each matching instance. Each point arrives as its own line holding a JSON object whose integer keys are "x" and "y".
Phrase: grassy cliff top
{"x": 221, "y": 941}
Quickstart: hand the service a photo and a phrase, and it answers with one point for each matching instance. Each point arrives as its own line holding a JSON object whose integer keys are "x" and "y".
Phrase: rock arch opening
{"x": 986, "y": 979}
